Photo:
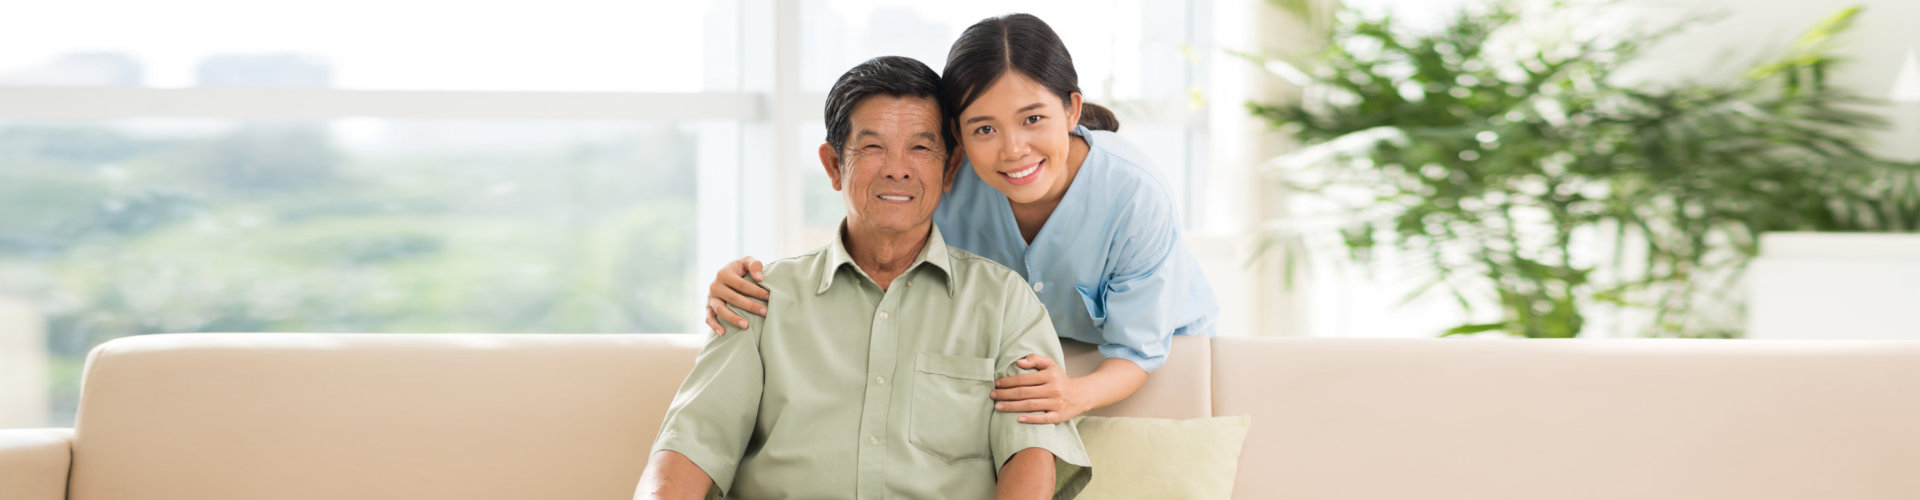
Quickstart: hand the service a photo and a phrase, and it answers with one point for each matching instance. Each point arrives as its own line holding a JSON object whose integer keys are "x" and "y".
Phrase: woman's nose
{"x": 1015, "y": 146}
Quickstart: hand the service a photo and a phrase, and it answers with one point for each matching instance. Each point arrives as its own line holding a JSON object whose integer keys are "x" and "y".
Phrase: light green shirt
{"x": 846, "y": 390}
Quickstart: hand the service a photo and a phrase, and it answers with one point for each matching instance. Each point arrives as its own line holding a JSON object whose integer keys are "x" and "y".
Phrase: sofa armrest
{"x": 34, "y": 463}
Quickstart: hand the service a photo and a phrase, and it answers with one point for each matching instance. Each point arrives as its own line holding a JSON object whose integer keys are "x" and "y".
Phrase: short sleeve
{"x": 1146, "y": 292}
{"x": 1030, "y": 331}
{"x": 712, "y": 416}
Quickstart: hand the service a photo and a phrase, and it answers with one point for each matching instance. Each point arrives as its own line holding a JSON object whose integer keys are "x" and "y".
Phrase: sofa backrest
{"x": 1572, "y": 419}
{"x": 197, "y": 416}
{"x": 330, "y": 416}
{"x": 1182, "y": 388}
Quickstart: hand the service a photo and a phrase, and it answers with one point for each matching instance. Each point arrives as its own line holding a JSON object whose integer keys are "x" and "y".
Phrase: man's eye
{"x": 871, "y": 146}
{"x": 1033, "y": 119}
{"x": 923, "y": 148}
{"x": 983, "y": 130}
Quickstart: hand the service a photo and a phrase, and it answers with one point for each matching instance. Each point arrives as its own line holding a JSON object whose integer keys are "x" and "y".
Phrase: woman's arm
{"x": 1058, "y": 397}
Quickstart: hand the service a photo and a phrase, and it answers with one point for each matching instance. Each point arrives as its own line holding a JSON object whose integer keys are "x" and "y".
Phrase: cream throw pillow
{"x": 1162, "y": 458}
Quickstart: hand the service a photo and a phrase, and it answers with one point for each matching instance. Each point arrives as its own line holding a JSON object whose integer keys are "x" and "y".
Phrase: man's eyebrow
{"x": 1023, "y": 109}
{"x": 865, "y": 132}
{"x": 927, "y": 135}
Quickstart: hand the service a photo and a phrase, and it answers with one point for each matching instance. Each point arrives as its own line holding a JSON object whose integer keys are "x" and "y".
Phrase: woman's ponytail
{"x": 1098, "y": 117}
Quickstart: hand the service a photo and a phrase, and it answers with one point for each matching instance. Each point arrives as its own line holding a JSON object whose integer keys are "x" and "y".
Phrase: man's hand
{"x": 672, "y": 476}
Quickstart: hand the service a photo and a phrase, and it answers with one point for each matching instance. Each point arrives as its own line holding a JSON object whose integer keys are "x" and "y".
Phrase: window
{"x": 556, "y": 45}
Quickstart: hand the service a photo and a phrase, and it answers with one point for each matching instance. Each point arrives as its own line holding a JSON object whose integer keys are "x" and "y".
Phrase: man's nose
{"x": 898, "y": 167}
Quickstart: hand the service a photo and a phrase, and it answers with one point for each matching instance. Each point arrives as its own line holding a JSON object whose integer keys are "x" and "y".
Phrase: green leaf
{"x": 1473, "y": 328}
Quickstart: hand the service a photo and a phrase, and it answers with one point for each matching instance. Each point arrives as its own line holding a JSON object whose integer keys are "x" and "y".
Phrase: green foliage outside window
{"x": 111, "y": 230}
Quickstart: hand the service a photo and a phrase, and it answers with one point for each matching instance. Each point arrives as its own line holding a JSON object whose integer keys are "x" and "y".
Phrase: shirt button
{"x": 873, "y": 440}
{"x": 909, "y": 282}
{"x": 880, "y": 380}
{"x": 883, "y": 315}
{"x": 1039, "y": 286}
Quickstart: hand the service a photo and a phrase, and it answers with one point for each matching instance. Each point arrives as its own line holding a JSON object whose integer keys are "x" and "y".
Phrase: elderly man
{"x": 868, "y": 376}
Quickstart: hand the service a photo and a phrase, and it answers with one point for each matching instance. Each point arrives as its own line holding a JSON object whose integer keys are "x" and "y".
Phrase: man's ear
{"x": 954, "y": 161}
{"x": 1073, "y": 110}
{"x": 831, "y": 161}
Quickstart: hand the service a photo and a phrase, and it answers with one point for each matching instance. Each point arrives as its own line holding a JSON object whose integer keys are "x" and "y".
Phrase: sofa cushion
{"x": 1163, "y": 459}
{"x": 1572, "y": 419}
{"x": 279, "y": 416}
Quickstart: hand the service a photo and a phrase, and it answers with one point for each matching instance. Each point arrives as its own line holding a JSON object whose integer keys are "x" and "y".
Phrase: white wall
{"x": 1752, "y": 30}
{"x": 1835, "y": 286}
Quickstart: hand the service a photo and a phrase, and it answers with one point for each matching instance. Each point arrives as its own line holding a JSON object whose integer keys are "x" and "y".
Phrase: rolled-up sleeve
{"x": 1029, "y": 331}
{"x": 712, "y": 416}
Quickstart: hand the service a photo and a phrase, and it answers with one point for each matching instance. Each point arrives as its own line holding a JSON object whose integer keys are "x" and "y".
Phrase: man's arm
{"x": 711, "y": 419}
{"x": 1027, "y": 453}
{"x": 1029, "y": 474}
{"x": 671, "y": 476}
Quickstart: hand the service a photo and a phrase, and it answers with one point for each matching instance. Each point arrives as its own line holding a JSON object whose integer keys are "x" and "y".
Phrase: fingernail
{"x": 742, "y": 324}
{"x": 763, "y": 311}
{"x": 1023, "y": 420}
{"x": 998, "y": 406}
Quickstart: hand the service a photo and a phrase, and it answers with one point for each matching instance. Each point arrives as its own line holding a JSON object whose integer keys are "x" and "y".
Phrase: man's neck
{"x": 885, "y": 255}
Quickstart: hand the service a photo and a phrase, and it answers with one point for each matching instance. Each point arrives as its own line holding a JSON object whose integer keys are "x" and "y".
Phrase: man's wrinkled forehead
{"x": 869, "y": 115}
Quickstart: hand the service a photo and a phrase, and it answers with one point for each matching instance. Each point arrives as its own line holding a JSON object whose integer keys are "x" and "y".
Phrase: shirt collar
{"x": 934, "y": 254}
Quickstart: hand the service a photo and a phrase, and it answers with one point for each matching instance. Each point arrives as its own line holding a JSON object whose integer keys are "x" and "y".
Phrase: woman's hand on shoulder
{"x": 731, "y": 286}
{"x": 1049, "y": 394}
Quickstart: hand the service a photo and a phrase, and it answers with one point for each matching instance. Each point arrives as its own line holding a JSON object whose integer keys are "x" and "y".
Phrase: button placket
{"x": 873, "y": 459}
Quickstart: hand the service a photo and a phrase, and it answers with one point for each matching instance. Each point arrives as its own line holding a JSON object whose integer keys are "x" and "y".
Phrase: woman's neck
{"x": 1033, "y": 216}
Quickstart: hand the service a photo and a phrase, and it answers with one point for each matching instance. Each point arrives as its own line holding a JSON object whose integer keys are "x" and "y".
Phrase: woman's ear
{"x": 830, "y": 161}
{"x": 954, "y": 161}
{"x": 1073, "y": 110}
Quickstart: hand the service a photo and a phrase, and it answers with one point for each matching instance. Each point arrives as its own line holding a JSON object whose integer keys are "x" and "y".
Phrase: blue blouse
{"x": 1109, "y": 264}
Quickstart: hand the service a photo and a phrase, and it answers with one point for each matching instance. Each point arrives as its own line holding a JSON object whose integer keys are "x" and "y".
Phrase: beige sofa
{"x": 330, "y": 416}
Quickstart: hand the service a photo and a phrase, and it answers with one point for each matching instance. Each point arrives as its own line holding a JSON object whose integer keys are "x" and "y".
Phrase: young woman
{"x": 1060, "y": 198}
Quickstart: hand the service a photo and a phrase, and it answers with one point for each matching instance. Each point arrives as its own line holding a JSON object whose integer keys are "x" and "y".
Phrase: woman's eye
{"x": 983, "y": 130}
{"x": 1033, "y": 119}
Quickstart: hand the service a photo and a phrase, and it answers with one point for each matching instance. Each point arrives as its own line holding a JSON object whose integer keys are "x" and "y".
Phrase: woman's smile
{"x": 1023, "y": 176}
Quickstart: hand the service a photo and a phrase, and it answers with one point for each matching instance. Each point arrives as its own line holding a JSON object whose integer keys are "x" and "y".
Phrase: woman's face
{"x": 1016, "y": 136}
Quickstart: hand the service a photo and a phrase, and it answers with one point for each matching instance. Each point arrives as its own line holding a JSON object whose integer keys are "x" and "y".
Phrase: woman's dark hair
{"x": 891, "y": 76}
{"x": 1013, "y": 42}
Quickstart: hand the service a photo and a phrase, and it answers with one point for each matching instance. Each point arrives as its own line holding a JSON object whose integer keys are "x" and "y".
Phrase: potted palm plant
{"x": 1533, "y": 185}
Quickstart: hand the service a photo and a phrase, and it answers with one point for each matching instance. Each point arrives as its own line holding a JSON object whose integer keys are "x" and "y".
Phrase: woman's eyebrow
{"x": 1023, "y": 109}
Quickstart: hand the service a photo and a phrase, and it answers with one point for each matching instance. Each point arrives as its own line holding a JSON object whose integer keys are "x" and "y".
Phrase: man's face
{"x": 893, "y": 164}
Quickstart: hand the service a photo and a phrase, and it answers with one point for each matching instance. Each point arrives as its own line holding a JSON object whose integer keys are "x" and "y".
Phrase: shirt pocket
{"x": 951, "y": 407}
